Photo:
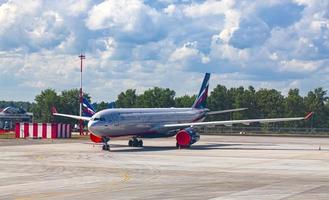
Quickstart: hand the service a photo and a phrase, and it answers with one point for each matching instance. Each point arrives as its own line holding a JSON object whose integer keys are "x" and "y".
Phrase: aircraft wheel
{"x": 130, "y": 143}
{"x": 106, "y": 147}
{"x": 140, "y": 143}
{"x": 134, "y": 143}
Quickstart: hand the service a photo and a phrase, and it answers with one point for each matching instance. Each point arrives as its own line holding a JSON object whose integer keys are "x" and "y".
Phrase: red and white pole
{"x": 81, "y": 56}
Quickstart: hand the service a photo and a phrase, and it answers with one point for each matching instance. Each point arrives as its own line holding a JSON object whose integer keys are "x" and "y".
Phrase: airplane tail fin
{"x": 87, "y": 109}
{"x": 200, "y": 101}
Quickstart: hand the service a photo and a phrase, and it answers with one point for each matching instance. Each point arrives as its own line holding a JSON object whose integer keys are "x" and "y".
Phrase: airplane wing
{"x": 245, "y": 121}
{"x": 54, "y": 112}
{"x": 73, "y": 116}
{"x": 225, "y": 111}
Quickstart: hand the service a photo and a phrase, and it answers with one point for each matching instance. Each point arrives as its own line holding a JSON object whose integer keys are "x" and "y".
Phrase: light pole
{"x": 81, "y": 56}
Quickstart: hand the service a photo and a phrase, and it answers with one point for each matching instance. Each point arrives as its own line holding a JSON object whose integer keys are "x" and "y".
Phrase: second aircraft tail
{"x": 87, "y": 109}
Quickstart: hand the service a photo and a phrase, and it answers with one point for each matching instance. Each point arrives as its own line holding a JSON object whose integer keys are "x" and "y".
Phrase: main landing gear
{"x": 106, "y": 146}
{"x": 135, "y": 142}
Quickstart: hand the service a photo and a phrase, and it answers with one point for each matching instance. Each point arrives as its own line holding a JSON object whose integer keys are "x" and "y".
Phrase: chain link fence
{"x": 233, "y": 130}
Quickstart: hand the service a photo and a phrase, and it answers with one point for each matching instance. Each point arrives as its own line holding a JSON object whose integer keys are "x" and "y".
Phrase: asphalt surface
{"x": 217, "y": 167}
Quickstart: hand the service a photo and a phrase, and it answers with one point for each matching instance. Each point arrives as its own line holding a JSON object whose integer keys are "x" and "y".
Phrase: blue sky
{"x": 139, "y": 44}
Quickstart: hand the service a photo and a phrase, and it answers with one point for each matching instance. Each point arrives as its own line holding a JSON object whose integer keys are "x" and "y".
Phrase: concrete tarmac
{"x": 217, "y": 167}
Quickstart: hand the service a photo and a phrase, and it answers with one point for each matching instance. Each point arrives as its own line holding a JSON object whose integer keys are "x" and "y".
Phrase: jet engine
{"x": 186, "y": 137}
{"x": 95, "y": 138}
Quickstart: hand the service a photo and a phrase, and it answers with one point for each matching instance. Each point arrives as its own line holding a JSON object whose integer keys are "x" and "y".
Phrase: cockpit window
{"x": 99, "y": 119}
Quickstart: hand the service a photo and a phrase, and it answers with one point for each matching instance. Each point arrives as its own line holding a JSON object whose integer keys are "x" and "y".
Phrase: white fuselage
{"x": 144, "y": 122}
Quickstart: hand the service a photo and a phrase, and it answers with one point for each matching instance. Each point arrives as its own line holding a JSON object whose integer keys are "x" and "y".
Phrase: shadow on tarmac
{"x": 114, "y": 147}
{"x": 125, "y": 148}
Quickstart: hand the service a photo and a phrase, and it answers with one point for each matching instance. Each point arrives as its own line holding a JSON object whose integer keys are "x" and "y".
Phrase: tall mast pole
{"x": 81, "y": 56}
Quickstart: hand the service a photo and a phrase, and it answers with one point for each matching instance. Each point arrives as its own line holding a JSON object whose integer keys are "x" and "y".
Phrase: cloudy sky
{"x": 139, "y": 44}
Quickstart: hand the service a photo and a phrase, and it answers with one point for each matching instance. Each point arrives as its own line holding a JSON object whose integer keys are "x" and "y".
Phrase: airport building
{"x": 11, "y": 115}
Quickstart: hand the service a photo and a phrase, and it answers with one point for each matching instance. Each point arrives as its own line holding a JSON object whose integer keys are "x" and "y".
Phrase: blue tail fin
{"x": 200, "y": 101}
{"x": 87, "y": 109}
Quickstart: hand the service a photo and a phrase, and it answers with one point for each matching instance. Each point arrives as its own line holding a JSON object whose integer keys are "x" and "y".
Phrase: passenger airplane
{"x": 160, "y": 122}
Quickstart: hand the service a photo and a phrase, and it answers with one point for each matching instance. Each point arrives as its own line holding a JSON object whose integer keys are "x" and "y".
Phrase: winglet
{"x": 53, "y": 110}
{"x": 308, "y": 116}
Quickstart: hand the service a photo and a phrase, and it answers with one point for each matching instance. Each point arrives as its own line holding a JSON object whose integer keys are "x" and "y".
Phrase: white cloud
{"x": 75, "y": 8}
{"x": 232, "y": 20}
{"x": 66, "y": 44}
{"x": 12, "y": 11}
{"x": 120, "y": 14}
{"x": 299, "y": 66}
{"x": 186, "y": 52}
{"x": 141, "y": 44}
{"x": 46, "y": 30}
{"x": 209, "y": 7}
{"x": 105, "y": 47}
{"x": 225, "y": 51}
{"x": 7, "y": 15}
{"x": 170, "y": 9}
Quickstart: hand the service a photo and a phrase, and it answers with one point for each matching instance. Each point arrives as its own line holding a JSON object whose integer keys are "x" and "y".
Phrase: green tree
{"x": 185, "y": 101}
{"x": 219, "y": 99}
{"x": 44, "y": 102}
{"x": 294, "y": 106}
{"x": 126, "y": 99}
{"x": 315, "y": 101}
{"x": 251, "y": 103}
{"x": 70, "y": 103}
{"x": 240, "y": 99}
{"x": 270, "y": 103}
{"x": 101, "y": 106}
{"x": 156, "y": 98}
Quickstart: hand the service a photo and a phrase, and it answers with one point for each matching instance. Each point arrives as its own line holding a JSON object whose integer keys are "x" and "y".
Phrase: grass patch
{"x": 9, "y": 135}
{"x": 80, "y": 137}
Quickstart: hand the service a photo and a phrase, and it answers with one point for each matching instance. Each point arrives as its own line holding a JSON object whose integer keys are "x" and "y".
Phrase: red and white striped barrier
{"x": 42, "y": 130}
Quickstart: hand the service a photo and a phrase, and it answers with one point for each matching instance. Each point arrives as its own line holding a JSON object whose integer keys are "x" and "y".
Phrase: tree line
{"x": 263, "y": 103}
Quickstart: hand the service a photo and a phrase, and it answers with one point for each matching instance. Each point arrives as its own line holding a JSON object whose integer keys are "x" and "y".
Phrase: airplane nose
{"x": 91, "y": 126}
{"x": 97, "y": 127}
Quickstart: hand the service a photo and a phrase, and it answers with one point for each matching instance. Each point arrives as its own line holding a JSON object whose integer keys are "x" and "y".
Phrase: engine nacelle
{"x": 187, "y": 137}
{"x": 95, "y": 138}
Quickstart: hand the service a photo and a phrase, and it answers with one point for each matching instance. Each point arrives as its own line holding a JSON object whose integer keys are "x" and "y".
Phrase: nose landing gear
{"x": 106, "y": 146}
{"x": 135, "y": 142}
